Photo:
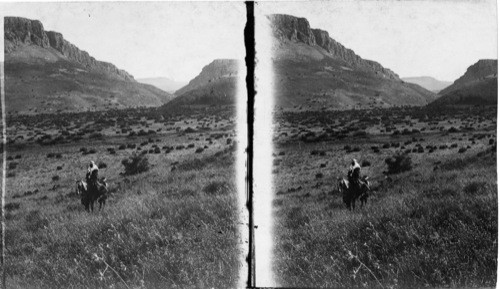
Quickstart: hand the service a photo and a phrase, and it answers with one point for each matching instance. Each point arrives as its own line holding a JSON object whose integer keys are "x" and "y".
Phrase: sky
{"x": 413, "y": 38}
{"x": 148, "y": 39}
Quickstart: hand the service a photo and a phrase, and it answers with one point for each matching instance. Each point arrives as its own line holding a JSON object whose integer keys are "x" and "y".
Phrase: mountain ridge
{"x": 163, "y": 83}
{"x": 477, "y": 86}
{"x": 428, "y": 82}
{"x": 483, "y": 68}
{"x": 298, "y": 29}
{"x": 44, "y": 73}
{"x": 20, "y": 31}
{"x": 216, "y": 84}
{"x": 315, "y": 72}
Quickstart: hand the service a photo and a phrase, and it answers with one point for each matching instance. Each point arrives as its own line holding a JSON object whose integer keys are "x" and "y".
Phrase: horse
{"x": 88, "y": 197}
{"x": 350, "y": 194}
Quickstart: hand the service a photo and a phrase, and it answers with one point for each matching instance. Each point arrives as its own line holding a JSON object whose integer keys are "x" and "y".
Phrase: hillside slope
{"x": 313, "y": 71}
{"x": 479, "y": 85}
{"x": 215, "y": 85}
{"x": 44, "y": 73}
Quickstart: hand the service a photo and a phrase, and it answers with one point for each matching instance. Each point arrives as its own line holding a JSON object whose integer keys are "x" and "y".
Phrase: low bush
{"x": 136, "y": 164}
{"x": 216, "y": 188}
{"x": 398, "y": 164}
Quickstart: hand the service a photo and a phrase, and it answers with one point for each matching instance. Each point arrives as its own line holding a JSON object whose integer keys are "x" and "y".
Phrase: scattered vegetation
{"x": 398, "y": 164}
{"x": 136, "y": 164}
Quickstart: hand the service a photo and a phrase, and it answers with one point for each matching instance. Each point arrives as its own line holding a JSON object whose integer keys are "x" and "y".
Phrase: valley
{"x": 176, "y": 224}
{"x": 427, "y": 225}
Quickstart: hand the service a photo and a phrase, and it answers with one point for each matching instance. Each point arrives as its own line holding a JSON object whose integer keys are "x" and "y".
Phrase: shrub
{"x": 55, "y": 178}
{"x": 474, "y": 188}
{"x": 137, "y": 163}
{"x": 398, "y": 164}
{"x": 12, "y": 206}
{"x": 102, "y": 165}
{"x": 216, "y": 188}
{"x": 199, "y": 150}
{"x": 13, "y": 165}
{"x": 365, "y": 164}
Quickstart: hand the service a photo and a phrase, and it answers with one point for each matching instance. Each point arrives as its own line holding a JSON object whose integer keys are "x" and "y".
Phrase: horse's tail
{"x": 78, "y": 187}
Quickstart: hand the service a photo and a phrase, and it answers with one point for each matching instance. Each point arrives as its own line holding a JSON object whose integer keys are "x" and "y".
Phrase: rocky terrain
{"x": 479, "y": 85}
{"x": 215, "y": 85}
{"x": 44, "y": 73}
{"x": 429, "y": 83}
{"x": 314, "y": 71}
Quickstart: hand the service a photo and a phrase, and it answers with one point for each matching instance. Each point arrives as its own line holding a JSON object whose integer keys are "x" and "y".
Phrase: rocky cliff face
{"x": 478, "y": 86}
{"x": 215, "y": 85}
{"x": 20, "y": 32}
{"x": 291, "y": 28}
{"x": 216, "y": 70}
{"x": 482, "y": 70}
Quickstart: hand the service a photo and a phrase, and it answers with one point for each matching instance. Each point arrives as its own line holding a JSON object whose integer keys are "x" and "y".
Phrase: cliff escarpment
{"x": 19, "y": 32}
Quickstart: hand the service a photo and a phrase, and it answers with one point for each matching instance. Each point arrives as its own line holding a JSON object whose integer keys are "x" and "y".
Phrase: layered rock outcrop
{"x": 216, "y": 70}
{"x": 478, "y": 86}
{"x": 291, "y": 28}
{"x": 21, "y": 32}
{"x": 481, "y": 70}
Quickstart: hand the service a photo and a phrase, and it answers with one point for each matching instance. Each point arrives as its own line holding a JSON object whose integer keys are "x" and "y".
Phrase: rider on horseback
{"x": 92, "y": 172}
{"x": 353, "y": 174}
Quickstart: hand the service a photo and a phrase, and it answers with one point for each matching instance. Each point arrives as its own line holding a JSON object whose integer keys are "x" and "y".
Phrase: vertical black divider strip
{"x": 250, "y": 84}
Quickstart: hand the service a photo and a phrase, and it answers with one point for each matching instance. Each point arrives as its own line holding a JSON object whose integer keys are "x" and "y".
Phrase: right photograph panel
{"x": 384, "y": 143}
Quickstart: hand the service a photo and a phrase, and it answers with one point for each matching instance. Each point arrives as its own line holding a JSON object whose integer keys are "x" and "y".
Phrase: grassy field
{"x": 174, "y": 226}
{"x": 434, "y": 225}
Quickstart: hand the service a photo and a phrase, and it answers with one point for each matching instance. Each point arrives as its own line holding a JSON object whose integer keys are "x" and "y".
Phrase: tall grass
{"x": 425, "y": 229}
{"x": 160, "y": 229}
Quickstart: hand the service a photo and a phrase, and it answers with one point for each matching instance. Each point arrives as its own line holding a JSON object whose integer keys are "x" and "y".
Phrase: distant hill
{"x": 313, "y": 71}
{"x": 44, "y": 73}
{"x": 428, "y": 83}
{"x": 163, "y": 83}
{"x": 479, "y": 85}
{"x": 215, "y": 85}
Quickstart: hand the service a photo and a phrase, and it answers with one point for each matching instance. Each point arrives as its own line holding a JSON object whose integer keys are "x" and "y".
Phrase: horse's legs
{"x": 102, "y": 204}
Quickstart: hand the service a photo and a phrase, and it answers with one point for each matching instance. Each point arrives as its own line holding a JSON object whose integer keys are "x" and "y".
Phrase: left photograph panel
{"x": 125, "y": 149}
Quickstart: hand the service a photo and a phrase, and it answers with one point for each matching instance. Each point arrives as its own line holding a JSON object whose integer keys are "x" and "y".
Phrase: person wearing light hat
{"x": 92, "y": 172}
{"x": 354, "y": 173}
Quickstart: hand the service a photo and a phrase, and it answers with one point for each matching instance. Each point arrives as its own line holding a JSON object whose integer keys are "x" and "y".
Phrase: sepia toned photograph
{"x": 384, "y": 141}
{"x": 125, "y": 165}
